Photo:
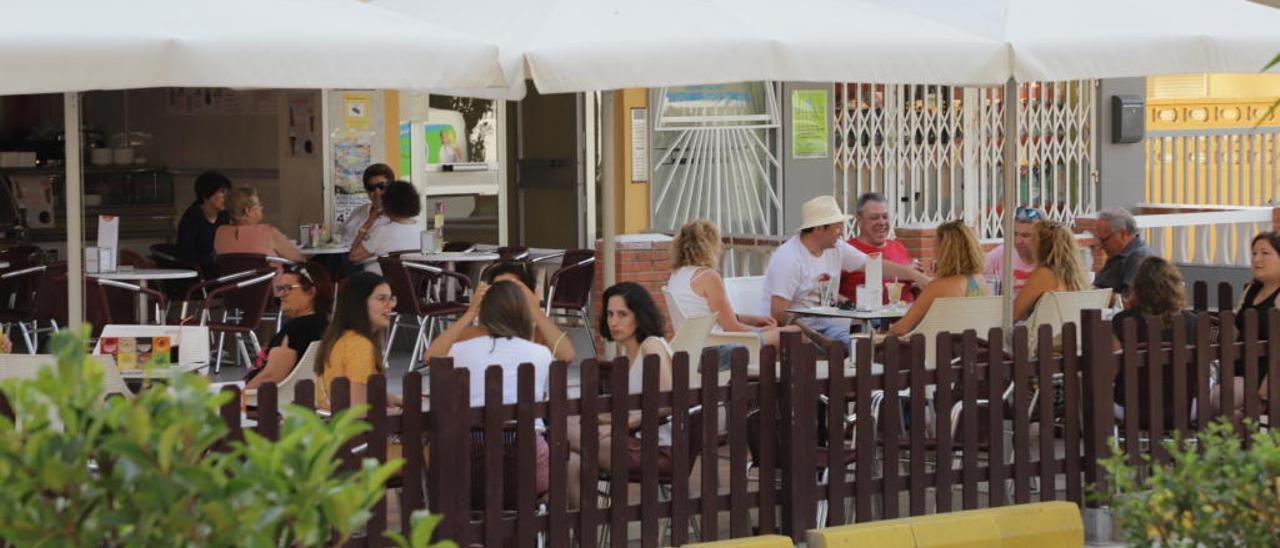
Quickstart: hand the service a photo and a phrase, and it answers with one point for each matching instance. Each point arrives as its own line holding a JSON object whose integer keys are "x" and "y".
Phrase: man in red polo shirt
{"x": 872, "y": 216}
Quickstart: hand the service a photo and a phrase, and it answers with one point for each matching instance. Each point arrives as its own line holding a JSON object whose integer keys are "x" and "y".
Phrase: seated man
{"x": 872, "y": 215}
{"x": 1117, "y": 234}
{"x": 1024, "y": 261}
{"x": 809, "y": 264}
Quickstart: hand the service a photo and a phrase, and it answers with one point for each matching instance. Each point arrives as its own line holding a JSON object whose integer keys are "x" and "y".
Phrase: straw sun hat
{"x": 821, "y": 211}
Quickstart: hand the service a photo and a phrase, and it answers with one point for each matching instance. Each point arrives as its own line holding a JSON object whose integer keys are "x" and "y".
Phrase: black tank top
{"x": 1249, "y": 295}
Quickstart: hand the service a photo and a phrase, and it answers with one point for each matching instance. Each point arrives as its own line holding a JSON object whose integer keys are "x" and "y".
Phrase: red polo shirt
{"x": 892, "y": 251}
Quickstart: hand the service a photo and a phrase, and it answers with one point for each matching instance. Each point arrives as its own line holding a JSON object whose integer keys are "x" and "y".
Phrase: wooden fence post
{"x": 1099, "y": 373}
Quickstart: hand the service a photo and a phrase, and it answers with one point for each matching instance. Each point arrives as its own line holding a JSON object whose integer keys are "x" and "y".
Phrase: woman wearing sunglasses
{"x": 305, "y": 293}
{"x": 401, "y": 205}
{"x": 375, "y": 178}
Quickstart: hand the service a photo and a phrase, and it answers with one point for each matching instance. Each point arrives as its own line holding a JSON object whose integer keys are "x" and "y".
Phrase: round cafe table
{"x": 325, "y": 250}
{"x": 142, "y": 276}
{"x": 450, "y": 259}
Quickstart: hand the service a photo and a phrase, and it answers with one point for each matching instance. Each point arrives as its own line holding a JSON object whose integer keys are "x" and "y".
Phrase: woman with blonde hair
{"x": 1059, "y": 268}
{"x": 248, "y": 234}
{"x": 957, "y": 273}
{"x": 698, "y": 288}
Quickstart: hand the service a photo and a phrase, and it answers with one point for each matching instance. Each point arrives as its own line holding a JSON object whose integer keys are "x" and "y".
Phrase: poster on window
{"x": 809, "y": 124}
{"x": 351, "y": 155}
{"x": 442, "y": 144}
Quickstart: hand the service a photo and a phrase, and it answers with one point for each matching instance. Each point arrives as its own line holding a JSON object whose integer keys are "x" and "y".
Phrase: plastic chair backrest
{"x": 691, "y": 337}
{"x": 230, "y": 263}
{"x": 402, "y": 284}
{"x": 956, "y": 315}
{"x": 1056, "y": 308}
{"x": 746, "y": 294}
{"x": 573, "y": 286}
{"x": 304, "y": 370}
{"x": 674, "y": 312}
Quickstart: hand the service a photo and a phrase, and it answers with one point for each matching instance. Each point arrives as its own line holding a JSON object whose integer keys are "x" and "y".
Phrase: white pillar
{"x": 1009, "y": 199}
{"x": 608, "y": 260}
{"x": 589, "y": 131}
{"x": 75, "y": 210}
{"x": 504, "y": 228}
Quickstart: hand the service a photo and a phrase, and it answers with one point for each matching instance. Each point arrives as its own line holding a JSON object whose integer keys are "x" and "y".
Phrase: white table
{"x": 325, "y": 250}
{"x": 451, "y": 257}
{"x": 142, "y": 276}
{"x": 192, "y": 342}
{"x": 863, "y": 316}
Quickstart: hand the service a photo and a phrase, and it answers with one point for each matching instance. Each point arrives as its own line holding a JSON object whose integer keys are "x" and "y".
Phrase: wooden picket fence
{"x": 809, "y": 441}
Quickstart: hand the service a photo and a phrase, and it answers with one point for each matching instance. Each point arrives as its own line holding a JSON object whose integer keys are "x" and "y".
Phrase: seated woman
{"x": 505, "y": 328}
{"x": 1158, "y": 291}
{"x": 1262, "y": 294}
{"x": 201, "y": 220}
{"x": 305, "y": 293}
{"x": 958, "y": 274}
{"x": 401, "y": 204}
{"x": 698, "y": 288}
{"x": 248, "y": 234}
{"x": 1059, "y": 268}
{"x": 352, "y": 344}
{"x": 631, "y": 320}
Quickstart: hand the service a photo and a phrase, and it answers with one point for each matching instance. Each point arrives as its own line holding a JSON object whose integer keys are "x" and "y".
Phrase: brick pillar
{"x": 919, "y": 241}
{"x": 642, "y": 258}
{"x": 1084, "y": 225}
{"x": 1275, "y": 218}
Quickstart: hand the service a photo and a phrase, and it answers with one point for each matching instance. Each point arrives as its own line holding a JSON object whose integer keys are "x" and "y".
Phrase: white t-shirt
{"x": 384, "y": 239}
{"x": 798, "y": 276}
{"x": 481, "y": 352}
{"x": 358, "y": 216}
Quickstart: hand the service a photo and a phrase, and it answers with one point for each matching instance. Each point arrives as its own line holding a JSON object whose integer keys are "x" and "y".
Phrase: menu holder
{"x": 135, "y": 353}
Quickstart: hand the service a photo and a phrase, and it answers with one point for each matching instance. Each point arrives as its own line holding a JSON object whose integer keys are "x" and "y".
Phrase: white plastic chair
{"x": 956, "y": 315}
{"x": 746, "y": 293}
{"x": 304, "y": 370}
{"x": 27, "y": 366}
{"x": 1057, "y": 308}
{"x": 717, "y": 336}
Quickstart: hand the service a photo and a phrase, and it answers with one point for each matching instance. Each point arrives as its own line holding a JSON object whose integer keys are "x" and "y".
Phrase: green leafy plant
{"x": 79, "y": 469}
{"x": 422, "y": 525}
{"x": 1216, "y": 492}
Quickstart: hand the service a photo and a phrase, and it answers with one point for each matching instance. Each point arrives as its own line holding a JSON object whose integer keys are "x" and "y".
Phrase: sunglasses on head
{"x": 301, "y": 272}
{"x": 375, "y": 186}
{"x": 1029, "y": 214}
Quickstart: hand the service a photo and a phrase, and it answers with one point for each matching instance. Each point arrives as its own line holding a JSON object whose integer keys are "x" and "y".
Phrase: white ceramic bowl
{"x": 122, "y": 156}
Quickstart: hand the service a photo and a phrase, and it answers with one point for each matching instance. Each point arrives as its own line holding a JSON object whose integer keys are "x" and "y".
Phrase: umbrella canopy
{"x": 1086, "y": 39}
{"x": 584, "y": 45}
{"x": 77, "y": 45}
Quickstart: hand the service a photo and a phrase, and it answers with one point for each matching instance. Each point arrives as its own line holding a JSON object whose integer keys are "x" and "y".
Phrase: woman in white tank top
{"x": 699, "y": 289}
{"x": 634, "y": 323}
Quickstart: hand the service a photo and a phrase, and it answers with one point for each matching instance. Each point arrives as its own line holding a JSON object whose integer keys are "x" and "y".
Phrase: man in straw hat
{"x": 809, "y": 264}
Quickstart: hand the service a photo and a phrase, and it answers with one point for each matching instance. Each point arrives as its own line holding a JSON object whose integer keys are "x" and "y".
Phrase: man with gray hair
{"x": 1117, "y": 233}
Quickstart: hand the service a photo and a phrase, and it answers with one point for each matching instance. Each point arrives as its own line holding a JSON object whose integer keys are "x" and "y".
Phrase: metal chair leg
{"x": 26, "y": 338}
{"x": 217, "y": 364}
{"x": 391, "y": 338}
{"x": 418, "y": 343}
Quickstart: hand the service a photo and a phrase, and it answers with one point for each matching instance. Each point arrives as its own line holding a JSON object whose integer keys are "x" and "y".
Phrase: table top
{"x": 458, "y": 257}
{"x": 833, "y": 312}
{"x": 146, "y": 274}
{"x": 326, "y": 250}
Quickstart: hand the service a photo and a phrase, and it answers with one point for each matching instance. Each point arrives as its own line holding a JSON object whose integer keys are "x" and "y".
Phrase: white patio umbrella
{"x": 1050, "y": 40}
{"x": 593, "y": 45}
{"x": 69, "y": 46}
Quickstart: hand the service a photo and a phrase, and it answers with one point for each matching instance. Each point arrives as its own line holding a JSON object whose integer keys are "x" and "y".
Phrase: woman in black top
{"x": 201, "y": 221}
{"x": 1259, "y": 295}
{"x": 305, "y": 294}
{"x": 1157, "y": 290}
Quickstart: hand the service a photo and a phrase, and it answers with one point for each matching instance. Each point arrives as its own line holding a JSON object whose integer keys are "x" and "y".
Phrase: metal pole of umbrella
{"x": 608, "y": 248}
{"x": 75, "y": 210}
{"x": 1009, "y": 198}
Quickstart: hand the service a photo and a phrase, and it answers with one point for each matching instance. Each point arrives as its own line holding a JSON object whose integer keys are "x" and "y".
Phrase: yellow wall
{"x": 632, "y": 199}
{"x": 391, "y": 128}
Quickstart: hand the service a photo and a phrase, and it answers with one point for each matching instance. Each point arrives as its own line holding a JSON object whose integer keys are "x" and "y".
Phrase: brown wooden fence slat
{"x": 268, "y": 411}
{"x": 1131, "y": 407}
{"x": 836, "y": 390}
{"x": 1072, "y": 409}
{"x": 340, "y": 400}
{"x": 787, "y": 425}
{"x": 1227, "y": 336}
{"x": 919, "y": 427}
{"x": 304, "y": 395}
{"x": 1099, "y": 416}
{"x": 380, "y": 423}
{"x": 864, "y": 430}
{"x": 680, "y": 464}
{"x": 891, "y": 426}
{"x": 1252, "y": 403}
{"x": 1273, "y": 366}
{"x": 459, "y": 386}
{"x": 649, "y": 451}
{"x": 493, "y": 480}
{"x": 945, "y": 400}
{"x": 589, "y": 516}
{"x": 1045, "y": 374}
{"x": 1226, "y": 296}
{"x": 413, "y": 440}
{"x": 709, "y": 368}
{"x": 526, "y": 451}
{"x": 1022, "y": 415}
{"x": 558, "y": 445}
{"x": 1178, "y": 368}
{"x": 995, "y": 418}
{"x": 806, "y": 416}
{"x": 969, "y": 419}
{"x": 768, "y": 440}
{"x": 739, "y": 499}
{"x": 618, "y": 391}
{"x": 439, "y": 431}
{"x": 230, "y": 412}
{"x": 1156, "y": 406}
{"x": 1204, "y": 351}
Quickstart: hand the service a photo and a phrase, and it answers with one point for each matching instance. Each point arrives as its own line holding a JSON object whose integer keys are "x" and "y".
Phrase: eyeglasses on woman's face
{"x": 385, "y": 298}
{"x": 284, "y": 289}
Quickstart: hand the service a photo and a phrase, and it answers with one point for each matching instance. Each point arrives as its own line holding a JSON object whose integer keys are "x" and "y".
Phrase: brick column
{"x": 1275, "y": 218}
{"x": 919, "y": 241}
{"x": 642, "y": 258}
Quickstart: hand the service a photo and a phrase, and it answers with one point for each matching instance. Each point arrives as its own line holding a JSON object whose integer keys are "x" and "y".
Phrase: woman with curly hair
{"x": 698, "y": 288}
{"x": 958, "y": 273}
{"x": 1157, "y": 291}
{"x": 1059, "y": 268}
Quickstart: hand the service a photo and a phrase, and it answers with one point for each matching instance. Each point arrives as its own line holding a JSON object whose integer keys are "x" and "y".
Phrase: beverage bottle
{"x": 438, "y": 226}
